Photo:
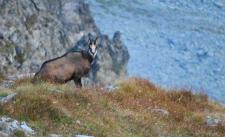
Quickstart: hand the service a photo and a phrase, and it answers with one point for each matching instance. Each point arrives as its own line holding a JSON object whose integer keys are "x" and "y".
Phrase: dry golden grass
{"x": 126, "y": 112}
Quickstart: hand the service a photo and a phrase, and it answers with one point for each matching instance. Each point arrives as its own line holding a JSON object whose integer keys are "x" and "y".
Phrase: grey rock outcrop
{"x": 83, "y": 136}
{"x": 215, "y": 120}
{"x": 8, "y": 98}
{"x": 161, "y": 112}
{"x": 32, "y": 31}
{"x": 9, "y": 126}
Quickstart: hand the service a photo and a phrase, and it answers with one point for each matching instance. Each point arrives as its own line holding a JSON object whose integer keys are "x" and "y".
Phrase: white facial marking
{"x": 93, "y": 50}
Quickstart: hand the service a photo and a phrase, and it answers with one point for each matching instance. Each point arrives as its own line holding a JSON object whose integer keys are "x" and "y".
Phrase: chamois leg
{"x": 77, "y": 82}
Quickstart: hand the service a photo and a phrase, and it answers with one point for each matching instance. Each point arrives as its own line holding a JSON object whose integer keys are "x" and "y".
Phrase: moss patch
{"x": 8, "y": 47}
{"x": 30, "y": 21}
{"x": 19, "y": 133}
{"x": 20, "y": 57}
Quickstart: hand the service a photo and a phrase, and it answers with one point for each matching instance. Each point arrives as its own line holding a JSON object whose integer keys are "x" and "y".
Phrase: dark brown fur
{"x": 70, "y": 66}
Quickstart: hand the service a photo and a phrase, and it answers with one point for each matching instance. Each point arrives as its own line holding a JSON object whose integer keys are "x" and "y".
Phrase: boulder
{"x": 9, "y": 127}
{"x": 7, "y": 98}
{"x": 215, "y": 120}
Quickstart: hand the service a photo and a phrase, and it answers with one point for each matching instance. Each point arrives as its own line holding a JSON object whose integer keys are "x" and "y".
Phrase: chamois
{"x": 73, "y": 65}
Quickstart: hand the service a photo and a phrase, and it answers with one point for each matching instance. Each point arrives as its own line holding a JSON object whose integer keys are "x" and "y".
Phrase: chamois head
{"x": 93, "y": 47}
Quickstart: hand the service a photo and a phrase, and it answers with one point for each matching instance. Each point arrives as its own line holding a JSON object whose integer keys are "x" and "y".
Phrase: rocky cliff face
{"x": 32, "y": 31}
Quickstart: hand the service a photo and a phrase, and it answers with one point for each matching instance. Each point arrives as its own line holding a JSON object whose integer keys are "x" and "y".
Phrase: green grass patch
{"x": 3, "y": 94}
{"x": 19, "y": 133}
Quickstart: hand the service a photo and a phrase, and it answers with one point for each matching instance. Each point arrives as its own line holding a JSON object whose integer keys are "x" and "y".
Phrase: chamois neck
{"x": 86, "y": 55}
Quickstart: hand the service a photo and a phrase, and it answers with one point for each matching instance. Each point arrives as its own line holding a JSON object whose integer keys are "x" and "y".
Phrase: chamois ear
{"x": 89, "y": 41}
{"x": 95, "y": 42}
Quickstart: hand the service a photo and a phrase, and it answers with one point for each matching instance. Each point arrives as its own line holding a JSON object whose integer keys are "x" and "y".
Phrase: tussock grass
{"x": 126, "y": 112}
{"x": 19, "y": 133}
{"x": 2, "y": 77}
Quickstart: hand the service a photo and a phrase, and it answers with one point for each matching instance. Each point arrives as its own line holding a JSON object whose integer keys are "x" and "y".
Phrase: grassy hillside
{"x": 136, "y": 109}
